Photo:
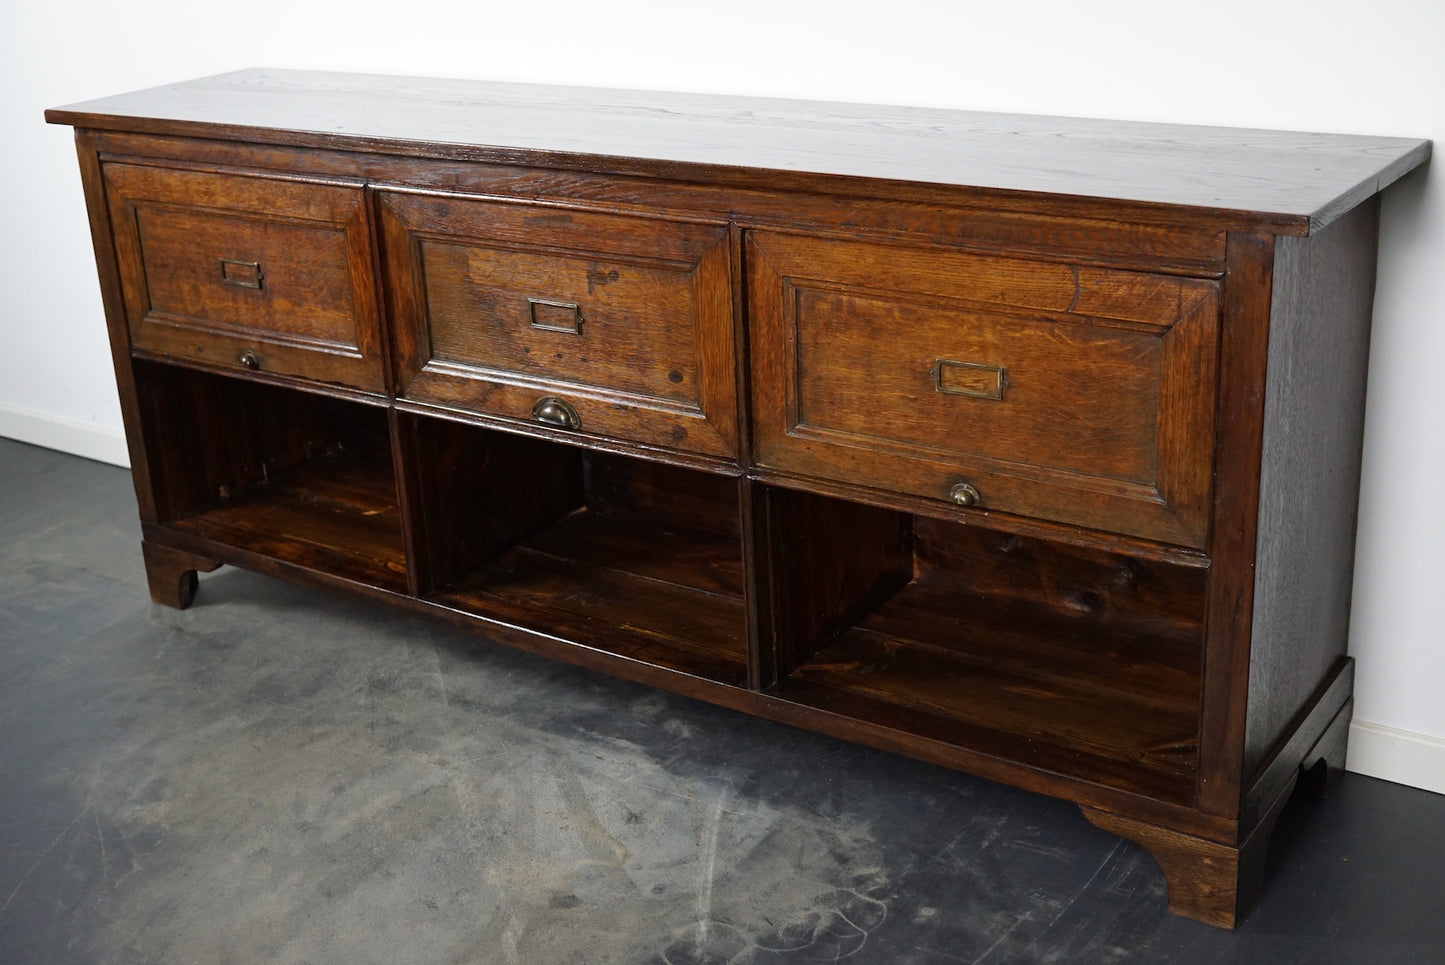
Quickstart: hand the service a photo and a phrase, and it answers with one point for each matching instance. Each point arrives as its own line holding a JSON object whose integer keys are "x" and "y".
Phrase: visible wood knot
{"x": 1087, "y": 601}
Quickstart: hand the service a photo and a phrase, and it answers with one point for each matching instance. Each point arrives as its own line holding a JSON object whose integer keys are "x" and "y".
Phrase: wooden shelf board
{"x": 1157, "y": 663}
{"x": 336, "y": 513}
{"x": 1065, "y": 698}
{"x": 618, "y": 582}
{"x": 656, "y": 548}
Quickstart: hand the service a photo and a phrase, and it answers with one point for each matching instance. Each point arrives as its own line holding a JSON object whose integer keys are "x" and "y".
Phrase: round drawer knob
{"x": 964, "y": 495}
{"x": 249, "y": 359}
{"x": 552, "y": 411}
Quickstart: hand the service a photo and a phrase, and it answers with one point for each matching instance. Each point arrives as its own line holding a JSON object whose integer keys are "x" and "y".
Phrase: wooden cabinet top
{"x": 1285, "y": 182}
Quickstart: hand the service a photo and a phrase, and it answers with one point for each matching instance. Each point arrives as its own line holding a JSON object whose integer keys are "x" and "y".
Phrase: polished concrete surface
{"x": 284, "y": 775}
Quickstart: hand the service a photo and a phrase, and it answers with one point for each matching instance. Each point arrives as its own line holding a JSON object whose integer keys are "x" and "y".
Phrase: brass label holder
{"x": 550, "y": 316}
{"x": 972, "y": 379}
{"x": 240, "y": 274}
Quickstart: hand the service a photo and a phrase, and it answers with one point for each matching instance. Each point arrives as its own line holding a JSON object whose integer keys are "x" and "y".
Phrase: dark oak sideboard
{"x": 1025, "y": 446}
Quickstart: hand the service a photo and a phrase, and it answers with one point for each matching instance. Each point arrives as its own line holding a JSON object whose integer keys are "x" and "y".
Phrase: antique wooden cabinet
{"x": 1026, "y": 446}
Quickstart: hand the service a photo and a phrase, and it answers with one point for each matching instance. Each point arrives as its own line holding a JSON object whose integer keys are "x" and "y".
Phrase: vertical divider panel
{"x": 411, "y": 480}
{"x": 829, "y": 562}
{"x": 759, "y": 584}
{"x": 473, "y": 493}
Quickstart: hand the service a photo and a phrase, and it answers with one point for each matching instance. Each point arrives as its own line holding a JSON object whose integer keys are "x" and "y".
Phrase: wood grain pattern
{"x": 1051, "y": 723}
{"x": 1259, "y": 175}
{"x": 247, "y": 273}
{"x": 788, "y": 330}
{"x": 334, "y": 513}
{"x": 670, "y": 496}
{"x": 1072, "y": 229}
{"x": 107, "y": 264}
{"x": 1208, "y": 882}
{"x": 1081, "y": 662}
{"x": 1105, "y": 408}
{"x": 642, "y": 560}
{"x": 291, "y": 474}
{"x": 466, "y": 505}
{"x": 1318, "y": 734}
{"x": 830, "y": 562}
{"x": 171, "y": 574}
{"x": 651, "y": 358}
{"x": 1243, "y": 362}
{"x": 215, "y": 434}
{"x": 1314, "y": 425}
{"x": 1155, "y": 603}
{"x": 862, "y": 731}
{"x": 986, "y": 519}
{"x": 624, "y": 583}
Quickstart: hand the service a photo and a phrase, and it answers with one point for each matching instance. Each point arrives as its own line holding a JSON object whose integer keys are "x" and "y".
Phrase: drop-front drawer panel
{"x": 599, "y": 323}
{"x": 1068, "y": 393}
{"x": 248, "y": 273}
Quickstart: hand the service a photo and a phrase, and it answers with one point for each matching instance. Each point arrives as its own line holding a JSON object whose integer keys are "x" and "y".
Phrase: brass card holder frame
{"x": 972, "y": 379}
{"x": 550, "y": 316}
{"x": 240, "y": 274}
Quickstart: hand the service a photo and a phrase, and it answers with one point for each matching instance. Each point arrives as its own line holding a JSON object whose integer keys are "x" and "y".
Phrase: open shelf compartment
{"x": 293, "y": 476}
{"x": 611, "y": 553}
{"x": 1080, "y": 662}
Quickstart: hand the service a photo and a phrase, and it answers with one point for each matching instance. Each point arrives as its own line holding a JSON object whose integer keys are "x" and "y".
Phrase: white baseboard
{"x": 1397, "y": 755}
{"x": 86, "y": 439}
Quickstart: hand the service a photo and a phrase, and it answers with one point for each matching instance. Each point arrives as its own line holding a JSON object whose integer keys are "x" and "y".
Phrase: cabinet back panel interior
{"x": 605, "y": 551}
{"x": 1082, "y": 662}
{"x": 303, "y": 478}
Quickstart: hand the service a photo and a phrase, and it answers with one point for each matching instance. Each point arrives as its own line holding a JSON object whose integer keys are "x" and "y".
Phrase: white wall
{"x": 1362, "y": 66}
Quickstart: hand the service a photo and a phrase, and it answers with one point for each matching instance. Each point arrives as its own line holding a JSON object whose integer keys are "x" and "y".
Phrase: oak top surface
{"x": 1286, "y": 180}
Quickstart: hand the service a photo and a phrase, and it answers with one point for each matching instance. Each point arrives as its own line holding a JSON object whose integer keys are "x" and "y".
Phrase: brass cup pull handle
{"x": 552, "y": 411}
{"x": 249, "y": 359}
{"x": 964, "y": 495}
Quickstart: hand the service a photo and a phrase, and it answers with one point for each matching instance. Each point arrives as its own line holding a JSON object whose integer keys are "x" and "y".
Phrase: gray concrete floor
{"x": 284, "y": 775}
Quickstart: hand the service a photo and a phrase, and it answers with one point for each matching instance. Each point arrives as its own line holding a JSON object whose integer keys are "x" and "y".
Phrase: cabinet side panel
{"x": 832, "y": 561}
{"x": 472, "y": 494}
{"x": 113, "y": 299}
{"x": 1324, "y": 289}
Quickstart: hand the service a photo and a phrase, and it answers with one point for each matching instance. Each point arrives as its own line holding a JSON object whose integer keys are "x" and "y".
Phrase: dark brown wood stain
{"x": 1024, "y": 446}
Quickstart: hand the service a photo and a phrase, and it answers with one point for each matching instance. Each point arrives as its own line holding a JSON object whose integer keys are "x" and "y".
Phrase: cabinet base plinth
{"x": 1321, "y": 769}
{"x": 171, "y": 574}
{"x": 1209, "y": 882}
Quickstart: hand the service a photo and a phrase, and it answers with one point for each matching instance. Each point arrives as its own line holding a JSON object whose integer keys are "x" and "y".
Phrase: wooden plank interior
{"x": 1082, "y": 662}
{"x": 298, "y": 476}
{"x": 336, "y": 513}
{"x": 647, "y": 566}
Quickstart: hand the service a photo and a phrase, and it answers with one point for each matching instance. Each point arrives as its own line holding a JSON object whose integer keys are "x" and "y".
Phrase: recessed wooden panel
{"x": 854, "y": 348}
{"x": 1078, "y": 395}
{"x": 628, "y": 320}
{"x": 636, "y": 333}
{"x": 251, "y": 273}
